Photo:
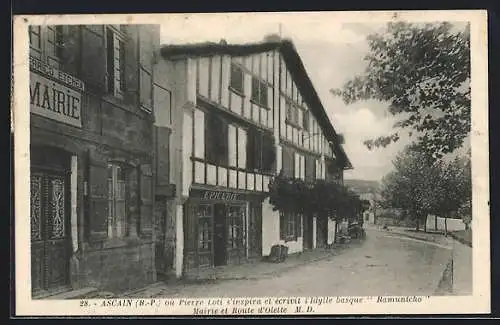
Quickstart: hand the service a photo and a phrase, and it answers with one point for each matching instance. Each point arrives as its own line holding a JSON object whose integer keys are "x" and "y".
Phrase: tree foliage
{"x": 422, "y": 71}
{"x": 421, "y": 186}
{"x": 314, "y": 198}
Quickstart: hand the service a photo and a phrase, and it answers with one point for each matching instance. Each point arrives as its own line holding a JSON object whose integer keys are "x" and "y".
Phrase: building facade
{"x": 92, "y": 157}
{"x": 243, "y": 113}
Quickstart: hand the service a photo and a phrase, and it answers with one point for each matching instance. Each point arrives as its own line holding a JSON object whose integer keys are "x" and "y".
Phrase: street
{"x": 385, "y": 264}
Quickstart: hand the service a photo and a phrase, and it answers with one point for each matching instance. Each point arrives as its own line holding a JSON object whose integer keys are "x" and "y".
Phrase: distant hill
{"x": 362, "y": 186}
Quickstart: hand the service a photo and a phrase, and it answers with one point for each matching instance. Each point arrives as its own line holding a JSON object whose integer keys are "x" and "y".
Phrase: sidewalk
{"x": 256, "y": 269}
{"x": 433, "y": 237}
{"x": 252, "y": 270}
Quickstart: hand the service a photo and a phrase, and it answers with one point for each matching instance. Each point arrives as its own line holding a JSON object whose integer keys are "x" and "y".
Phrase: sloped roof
{"x": 294, "y": 65}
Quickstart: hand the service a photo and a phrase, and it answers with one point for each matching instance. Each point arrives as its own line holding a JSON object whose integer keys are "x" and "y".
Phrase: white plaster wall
{"x": 270, "y": 227}
{"x": 179, "y": 240}
{"x": 295, "y": 246}
{"x": 331, "y": 231}
{"x": 451, "y": 224}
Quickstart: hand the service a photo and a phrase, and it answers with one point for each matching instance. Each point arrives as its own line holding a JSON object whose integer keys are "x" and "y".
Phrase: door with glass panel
{"x": 236, "y": 233}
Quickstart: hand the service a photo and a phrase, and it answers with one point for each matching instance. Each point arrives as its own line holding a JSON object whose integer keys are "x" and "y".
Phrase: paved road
{"x": 385, "y": 264}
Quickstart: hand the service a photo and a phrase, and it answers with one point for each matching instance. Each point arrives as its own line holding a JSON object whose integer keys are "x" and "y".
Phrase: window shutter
{"x": 98, "y": 200}
{"x": 288, "y": 161}
{"x": 93, "y": 62}
{"x": 131, "y": 65}
{"x": 209, "y": 141}
{"x": 71, "y": 48}
{"x": 146, "y": 201}
{"x": 225, "y": 142}
{"x": 251, "y": 149}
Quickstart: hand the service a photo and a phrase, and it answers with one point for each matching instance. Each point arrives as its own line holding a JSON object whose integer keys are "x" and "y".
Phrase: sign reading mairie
{"x": 51, "y": 98}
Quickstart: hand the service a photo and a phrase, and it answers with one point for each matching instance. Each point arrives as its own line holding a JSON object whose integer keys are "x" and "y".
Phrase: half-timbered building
{"x": 249, "y": 112}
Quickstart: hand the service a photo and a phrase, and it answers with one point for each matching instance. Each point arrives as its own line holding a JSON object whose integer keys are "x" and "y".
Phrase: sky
{"x": 332, "y": 53}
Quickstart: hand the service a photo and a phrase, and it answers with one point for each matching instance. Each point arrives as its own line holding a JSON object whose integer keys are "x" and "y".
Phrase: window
{"x": 290, "y": 226}
{"x": 259, "y": 92}
{"x": 310, "y": 168}
{"x": 289, "y": 112}
{"x": 292, "y": 114}
{"x": 35, "y": 41}
{"x": 46, "y": 44}
{"x": 117, "y": 198}
{"x": 216, "y": 139}
{"x": 54, "y": 45}
{"x": 236, "y": 82}
{"x": 204, "y": 215}
{"x": 305, "y": 120}
{"x": 115, "y": 62}
{"x": 235, "y": 227}
{"x": 261, "y": 152}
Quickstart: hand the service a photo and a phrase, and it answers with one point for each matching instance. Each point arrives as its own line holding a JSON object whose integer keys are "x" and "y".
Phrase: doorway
{"x": 162, "y": 261}
{"x": 50, "y": 244}
{"x": 308, "y": 232}
{"x": 220, "y": 232}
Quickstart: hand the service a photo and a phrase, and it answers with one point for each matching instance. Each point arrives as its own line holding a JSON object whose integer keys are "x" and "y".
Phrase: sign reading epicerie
{"x": 50, "y": 99}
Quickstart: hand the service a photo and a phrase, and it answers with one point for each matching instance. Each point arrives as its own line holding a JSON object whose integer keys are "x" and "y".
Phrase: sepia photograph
{"x": 252, "y": 163}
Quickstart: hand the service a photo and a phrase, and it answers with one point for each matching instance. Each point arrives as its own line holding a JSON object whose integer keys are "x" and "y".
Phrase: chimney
{"x": 272, "y": 38}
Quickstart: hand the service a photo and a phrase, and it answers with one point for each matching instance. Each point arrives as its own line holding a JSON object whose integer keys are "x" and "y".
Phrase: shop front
{"x": 221, "y": 227}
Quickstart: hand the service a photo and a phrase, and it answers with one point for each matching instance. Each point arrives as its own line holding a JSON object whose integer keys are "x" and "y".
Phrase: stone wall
{"x": 115, "y": 269}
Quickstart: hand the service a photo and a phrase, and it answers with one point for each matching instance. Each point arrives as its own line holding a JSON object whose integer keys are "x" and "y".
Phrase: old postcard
{"x": 241, "y": 164}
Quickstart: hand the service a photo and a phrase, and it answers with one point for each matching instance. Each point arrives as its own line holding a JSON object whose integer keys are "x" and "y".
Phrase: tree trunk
{"x": 435, "y": 223}
{"x": 418, "y": 224}
{"x": 425, "y": 224}
{"x": 445, "y": 227}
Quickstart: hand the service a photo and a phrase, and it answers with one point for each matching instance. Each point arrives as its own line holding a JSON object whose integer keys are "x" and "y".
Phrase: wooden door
{"x": 220, "y": 249}
{"x": 255, "y": 230}
{"x": 50, "y": 240}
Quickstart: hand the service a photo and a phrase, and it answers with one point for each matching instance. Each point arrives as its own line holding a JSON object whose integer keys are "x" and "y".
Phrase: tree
{"x": 453, "y": 188}
{"x": 411, "y": 185}
{"x": 460, "y": 198}
{"x": 319, "y": 198}
{"x": 423, "y": 72}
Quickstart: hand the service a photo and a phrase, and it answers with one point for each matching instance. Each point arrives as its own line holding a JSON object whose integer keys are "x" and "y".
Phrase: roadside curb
{"x": 460, "y": 240}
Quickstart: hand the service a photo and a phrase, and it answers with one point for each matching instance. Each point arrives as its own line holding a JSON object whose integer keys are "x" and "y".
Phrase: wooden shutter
{"x": 93, "y": 62}
{"x": 98, "y": 200}
{"x": 146, "y": 201}
{"x": 131, "y": 65}
{"x": 251, "y": 149}
{"x": 288, "y": 162}
{"x": 71, "y": 48}
{"x": 209, "y": 139}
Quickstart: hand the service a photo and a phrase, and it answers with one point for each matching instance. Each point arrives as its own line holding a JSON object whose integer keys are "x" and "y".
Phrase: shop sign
{"x": 53, "y": 100}
{"x": 217, "y": 195}
{"x": 47, "y": 70}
